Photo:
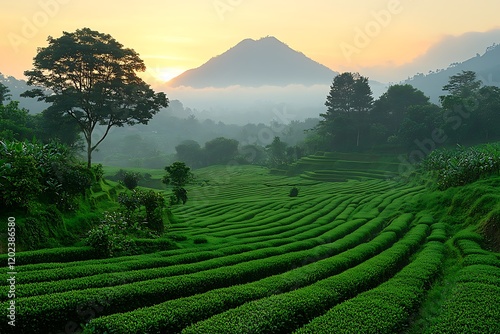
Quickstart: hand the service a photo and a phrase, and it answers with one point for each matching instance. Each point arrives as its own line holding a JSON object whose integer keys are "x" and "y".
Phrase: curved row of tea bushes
{"x": 397, "y": 194}
{"x": 33, "y": 311}
{"x": 286, "y": 223}
{"x": 439, "y": 232}
{"x": 387, "y": 308}
{"x": 273, "y": 220}
{"x": 173, "y": 315}
{"x": 285, "y": 312}
{"x": 468, "y": 247}
{"x": 400, "y": 224}
{"x": 224, "y": 214}
{"x": 62, "y": 254}
{"x": 142, "y": 263}
{"x": 473, "y": 303}
{"x": 112, "y": 279}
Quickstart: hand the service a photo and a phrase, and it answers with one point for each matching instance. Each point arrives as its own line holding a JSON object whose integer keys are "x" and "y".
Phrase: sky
{"x": 172, "y": 36}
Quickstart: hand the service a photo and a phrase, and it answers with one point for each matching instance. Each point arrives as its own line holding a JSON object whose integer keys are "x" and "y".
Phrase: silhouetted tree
{"x": 391, "y": 107}
{"x": 348, "y": 103}
{"x": 488, "y": 113}
{"x": 92, "y": 78}
{"x": 190, "y": 152}
{"x": 4, "y": 93}
{"x": 420, "y": 123}
{"x": 220, "y": 150}
{"x": 277, "y": 152}
{"x": 461, "y": 105}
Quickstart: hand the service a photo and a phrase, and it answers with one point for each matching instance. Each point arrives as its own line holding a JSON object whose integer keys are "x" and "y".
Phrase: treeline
{"x": 222, "y": 150}
{"x": 403, "y": 118}
{"x": 155, "y": 144}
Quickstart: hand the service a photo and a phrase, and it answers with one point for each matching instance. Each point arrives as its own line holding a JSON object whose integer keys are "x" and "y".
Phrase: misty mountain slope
{"x": 255, "y": 63}
{"x": 487, "y": 68}
{"x": 16, "y": 88}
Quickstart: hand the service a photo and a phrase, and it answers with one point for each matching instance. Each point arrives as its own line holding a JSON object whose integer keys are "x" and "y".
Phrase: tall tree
{"x": 190, "y": 152}
{"x": 489, "y": 113}
{"x": 348, "y": 104}
{"x": 4, "y": 93}
{"x": 461, "y": 87}
{"x": 92, "y": 78}
{"x": 277, "y": 153}
{"x": 391, "y": 108}
{"x": 462, "y": 104}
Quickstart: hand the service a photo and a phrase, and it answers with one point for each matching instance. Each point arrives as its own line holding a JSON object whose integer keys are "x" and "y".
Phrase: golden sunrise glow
{"x": 165, "y": 74}
{"x": 184, "y": 35}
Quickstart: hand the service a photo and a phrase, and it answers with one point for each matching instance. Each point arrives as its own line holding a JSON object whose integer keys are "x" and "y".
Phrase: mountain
{"x": 255, "y": 63}
{"x": 16, "y": 88}
{"x": 486, "y": 66}
{"x": 448, "y": 50}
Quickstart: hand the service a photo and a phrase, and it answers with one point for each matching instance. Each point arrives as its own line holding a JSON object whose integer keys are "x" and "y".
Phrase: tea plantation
{"x": 368, "y": 255}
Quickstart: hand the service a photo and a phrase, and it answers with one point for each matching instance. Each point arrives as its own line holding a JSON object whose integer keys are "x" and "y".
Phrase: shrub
{"x": 130, "y": 202}
{"x": 177, "y": 237}
{"x": 107, "y": 238}
{"x": 155, "y": 206}
{"x": 46, "y": 173}
{"x": 18, "y": 190}
{"x": 200, "y": 240}
{"x": 294, "y": 192}
{"x": 131, "y": 180}
{"x": 98, "y": 172}
{"x": 179, "y": 195}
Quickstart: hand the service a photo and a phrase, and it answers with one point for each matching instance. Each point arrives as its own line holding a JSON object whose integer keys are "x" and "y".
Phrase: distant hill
{"x": 17, "y": 87}
{"x": 255, "y": 63}
{"x": 486, "y": 66}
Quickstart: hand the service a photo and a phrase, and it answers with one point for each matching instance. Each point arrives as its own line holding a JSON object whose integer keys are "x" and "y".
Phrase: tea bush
{"x": 107, "y": 238}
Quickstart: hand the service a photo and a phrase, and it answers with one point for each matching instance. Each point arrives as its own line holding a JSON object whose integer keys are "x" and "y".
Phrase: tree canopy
{"x": 348, "y": 104}
{"x": 92, "y": 78}
{"x": 391, "y": 108}
{"x": 4, "y": 93}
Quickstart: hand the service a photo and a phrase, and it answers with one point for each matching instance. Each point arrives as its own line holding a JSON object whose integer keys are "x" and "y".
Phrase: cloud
{"x": 240, "y": 105}
{"x": 448, "y": 50}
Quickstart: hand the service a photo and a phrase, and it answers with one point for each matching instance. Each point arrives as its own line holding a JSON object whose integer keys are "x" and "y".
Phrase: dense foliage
{"x": 108, "y": 238}
{"x": 30, "y": 171}
{"x": 462, "y": 165}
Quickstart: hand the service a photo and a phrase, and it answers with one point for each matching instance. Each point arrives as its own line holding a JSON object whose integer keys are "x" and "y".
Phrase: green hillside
{"x": 369, "y": 255}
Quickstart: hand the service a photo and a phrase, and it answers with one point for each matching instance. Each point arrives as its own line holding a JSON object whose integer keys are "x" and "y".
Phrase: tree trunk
{"x": 357, "y": 139}
{"x": 89, "y": 153}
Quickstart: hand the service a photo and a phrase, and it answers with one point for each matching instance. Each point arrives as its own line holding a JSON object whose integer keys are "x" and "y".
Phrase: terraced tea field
{"x": 342, "y": 257}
